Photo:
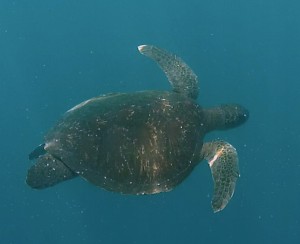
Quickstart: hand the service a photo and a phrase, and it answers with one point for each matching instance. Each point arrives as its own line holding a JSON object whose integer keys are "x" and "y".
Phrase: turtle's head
{"x": 226, "y": 116}
{"x": 234, "y": 115}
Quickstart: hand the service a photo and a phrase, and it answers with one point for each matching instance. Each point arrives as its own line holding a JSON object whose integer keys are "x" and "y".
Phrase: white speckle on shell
{"x": 79, "y": 105}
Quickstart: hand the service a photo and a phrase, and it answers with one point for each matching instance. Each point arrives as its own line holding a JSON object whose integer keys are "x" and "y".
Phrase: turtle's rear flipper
{"x": 223, "y": 161}
{"x": 48, "y": 171}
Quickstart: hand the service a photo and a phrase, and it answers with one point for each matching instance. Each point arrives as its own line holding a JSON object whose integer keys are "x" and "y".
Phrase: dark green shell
{"x": 137, "y": 143}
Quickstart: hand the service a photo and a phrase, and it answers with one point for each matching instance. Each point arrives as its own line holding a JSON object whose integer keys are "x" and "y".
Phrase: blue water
{"x": 55, "y": 54}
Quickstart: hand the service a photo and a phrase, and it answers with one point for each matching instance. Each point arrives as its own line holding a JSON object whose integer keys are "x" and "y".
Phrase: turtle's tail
{"x": 39, "y": 151}
{"x": 226, "y": 116}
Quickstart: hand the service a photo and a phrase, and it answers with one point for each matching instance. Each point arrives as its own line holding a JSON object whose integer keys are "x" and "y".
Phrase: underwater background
{"x": 55, "y": 54}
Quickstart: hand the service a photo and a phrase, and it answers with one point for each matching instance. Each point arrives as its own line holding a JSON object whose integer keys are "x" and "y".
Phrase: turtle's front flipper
{"x": 223, "y": 161}
{"x": 180, "y": 75}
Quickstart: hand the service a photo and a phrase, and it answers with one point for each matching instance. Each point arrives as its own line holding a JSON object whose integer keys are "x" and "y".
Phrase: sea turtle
{"x": 143, "y": 142}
